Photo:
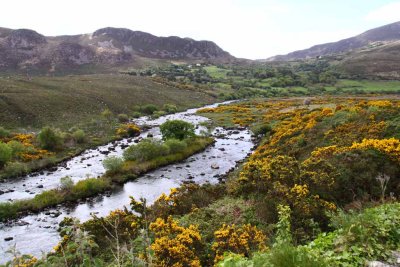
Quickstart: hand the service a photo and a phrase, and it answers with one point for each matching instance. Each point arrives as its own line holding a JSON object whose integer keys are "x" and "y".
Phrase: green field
{"x": 69, "y": 100}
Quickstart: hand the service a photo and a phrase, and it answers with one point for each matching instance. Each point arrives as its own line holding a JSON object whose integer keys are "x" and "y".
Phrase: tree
{"x": 177, "y": 129}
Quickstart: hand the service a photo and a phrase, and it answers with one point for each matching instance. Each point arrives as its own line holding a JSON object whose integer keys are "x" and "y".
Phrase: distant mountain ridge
{"x": 387, "y": 33}
{"x": 25, "y": 49}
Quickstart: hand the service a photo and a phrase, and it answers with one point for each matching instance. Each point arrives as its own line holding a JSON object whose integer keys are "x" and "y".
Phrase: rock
{"x": 378, "y": 264}
{"x": 150, "y": 135}
{"x": 214, "y": 166}
{"x": 8, "y": 238}
{"x": 40, "y": 186}
{"x": 1, "y": 192}
{"x": 202, "y": 174}
{"x": 222, "y": 149}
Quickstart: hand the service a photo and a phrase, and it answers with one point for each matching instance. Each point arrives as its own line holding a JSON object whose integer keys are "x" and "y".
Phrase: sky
{"x": 253, "y": 29}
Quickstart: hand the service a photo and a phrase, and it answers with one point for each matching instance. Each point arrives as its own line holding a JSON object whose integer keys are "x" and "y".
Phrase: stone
{"x": 214, "y": 166}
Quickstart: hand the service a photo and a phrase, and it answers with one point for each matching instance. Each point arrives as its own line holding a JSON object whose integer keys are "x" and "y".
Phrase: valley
{"x": 123, "y": 148}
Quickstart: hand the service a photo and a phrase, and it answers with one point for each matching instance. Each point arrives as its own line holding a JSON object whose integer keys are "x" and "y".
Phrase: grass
{"x": 69, "y": 100}
{"x": 93, "y": 186}
{"x": 216, "y": 72}
{"x": 367, "y": 86}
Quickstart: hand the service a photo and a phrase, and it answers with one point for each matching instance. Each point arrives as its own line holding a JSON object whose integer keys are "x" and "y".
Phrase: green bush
{"x": 158, "y": 114}
{"x": 175, "y": 145}
{"x": 79, "y": 136}
{"x": 146, "y": 150}
{"x": 149, "y": 109}
{"x": 7, "y": 210}
{"x": 4, "y": 133}
{"x": 113, "y": 164}
{"x": 45, "y": 199}
{"x": 170, "y": 108}
{"x": 89, "y": 187}
{"x": 50, "y": 139}
{"x": 262, "y": 129}
{"x": 177, "y": 129}
{"x": 5, "y": 154}
{"x": 15, "y": 169}
{"x": 16, "y": 147}
{"x": 123, "y": 118}
{"x": 359, "y": 236}
{"x": 107, "y": 114}
{"x": 136, "y": 114}
{"x": 66, "y": 183}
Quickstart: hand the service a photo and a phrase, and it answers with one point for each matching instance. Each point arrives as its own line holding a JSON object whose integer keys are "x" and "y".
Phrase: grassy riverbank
{"x": 93, "y": 186}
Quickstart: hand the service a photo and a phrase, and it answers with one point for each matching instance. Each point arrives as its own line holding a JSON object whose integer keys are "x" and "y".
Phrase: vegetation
{"x": 176, "y": 129}
{"x": 118, "y": 172}
{"x": 307, "y": 196}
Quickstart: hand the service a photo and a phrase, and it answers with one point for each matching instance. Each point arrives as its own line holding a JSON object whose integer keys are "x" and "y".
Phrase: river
{"x": 37, "y": 233}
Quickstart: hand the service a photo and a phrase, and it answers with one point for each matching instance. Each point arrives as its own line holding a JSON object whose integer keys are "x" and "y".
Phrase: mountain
{"x": 27, "y": 50}
{"x": 384, "y": 34}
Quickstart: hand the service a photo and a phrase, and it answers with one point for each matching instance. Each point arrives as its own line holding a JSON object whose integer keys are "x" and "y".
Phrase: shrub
{"x": 107, "y": 114}
{"x": 262, "y": 129}
{"x": 7, "y": 210}
{"x": 5, "y": 154}
{"x": 175, "y": 145}
{"x": 146, "y": 150}
{"x": 158, "y": 114}
{"x": 16, "y": 147}
{"x": 149, "y": 109}
{"x": 136, "y": 114}
{"x": 4, "y": 133}
{"x": 66, "y": 183}
{"x": 177, "y": 129}
{"x": 50, "y": 139}
{"x": 170, "y": 108}
{"x": 15, "y": 169}
{"x": 89, "y": 187}
{"x": 113, "y": 164}
{"x": 123, "y": 118}
{"x": 79, "y": 136}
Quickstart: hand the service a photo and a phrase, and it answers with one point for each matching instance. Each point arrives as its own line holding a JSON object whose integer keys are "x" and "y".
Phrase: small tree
{"x": 5, "y": 154}
{"x": 50, "y": 139}
{"x": 177, "y": 129}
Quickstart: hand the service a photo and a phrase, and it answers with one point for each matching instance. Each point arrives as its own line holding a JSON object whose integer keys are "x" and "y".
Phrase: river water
{"x": 37, "y": 233}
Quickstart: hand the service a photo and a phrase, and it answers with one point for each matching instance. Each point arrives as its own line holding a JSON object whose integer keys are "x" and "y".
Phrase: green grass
{"x": 367, "y": 86}
{"x": 69, "y": 100}
{"x": 216, "y": 72}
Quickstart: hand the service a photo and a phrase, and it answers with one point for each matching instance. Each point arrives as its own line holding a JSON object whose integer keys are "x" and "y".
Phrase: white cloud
{"x": 385, "y": 14}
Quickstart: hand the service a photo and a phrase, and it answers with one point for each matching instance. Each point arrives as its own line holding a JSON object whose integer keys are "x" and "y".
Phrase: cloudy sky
{"x": 245, "y": 28}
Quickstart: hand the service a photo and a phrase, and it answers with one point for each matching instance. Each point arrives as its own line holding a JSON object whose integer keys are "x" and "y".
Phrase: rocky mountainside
{"x": 27, "y": 50}
{"x": 377, "y": 36}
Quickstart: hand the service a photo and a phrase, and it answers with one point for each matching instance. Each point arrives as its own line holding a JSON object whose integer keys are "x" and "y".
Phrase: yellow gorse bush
{"x": 240, "y": 240}
{"x": 175, "y": 245}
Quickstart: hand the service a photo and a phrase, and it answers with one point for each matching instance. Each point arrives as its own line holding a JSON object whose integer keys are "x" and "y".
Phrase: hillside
{"x": 376, "y": 62}
{"x": 25, "y": 50}
{"x": 67, "y": 101}
{"x": 387, "y": 33}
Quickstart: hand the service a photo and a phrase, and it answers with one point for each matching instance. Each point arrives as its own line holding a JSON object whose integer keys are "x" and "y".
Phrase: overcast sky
{"x": 245, "y": 28}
